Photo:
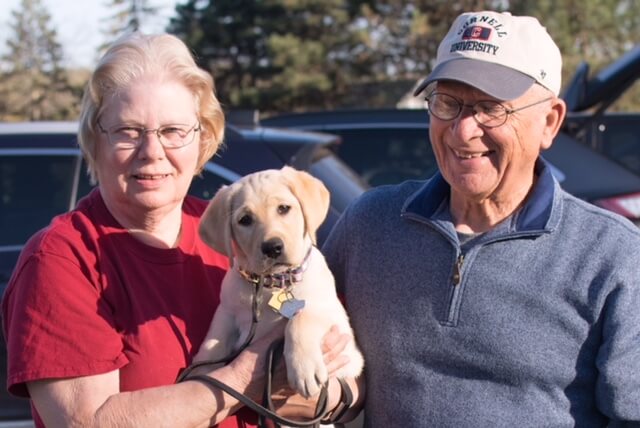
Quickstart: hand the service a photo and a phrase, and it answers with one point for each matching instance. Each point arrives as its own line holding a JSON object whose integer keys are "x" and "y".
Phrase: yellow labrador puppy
{"x": 266, "y": 224}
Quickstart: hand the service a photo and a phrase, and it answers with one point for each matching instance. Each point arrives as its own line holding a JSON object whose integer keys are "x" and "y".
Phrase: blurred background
{"x": 279, "y": 56}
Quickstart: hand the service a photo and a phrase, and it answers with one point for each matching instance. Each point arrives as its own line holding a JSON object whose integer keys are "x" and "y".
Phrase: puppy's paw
{"x": 306, "y": 372}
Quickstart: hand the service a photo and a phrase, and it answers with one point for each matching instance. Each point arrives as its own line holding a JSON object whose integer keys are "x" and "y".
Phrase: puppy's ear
{"x": 215, "y": 223}
{"x": 314, "y": 198}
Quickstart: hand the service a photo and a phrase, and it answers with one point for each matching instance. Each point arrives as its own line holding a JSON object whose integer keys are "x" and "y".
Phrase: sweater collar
{"x": 541, "y": 211}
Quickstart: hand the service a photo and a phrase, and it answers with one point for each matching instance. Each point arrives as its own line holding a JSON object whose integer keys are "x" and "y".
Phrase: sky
{"x": 80, "y": 25}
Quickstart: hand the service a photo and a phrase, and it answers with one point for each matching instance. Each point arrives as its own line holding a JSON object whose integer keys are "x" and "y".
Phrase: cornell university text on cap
{"x": 498, "y": 53}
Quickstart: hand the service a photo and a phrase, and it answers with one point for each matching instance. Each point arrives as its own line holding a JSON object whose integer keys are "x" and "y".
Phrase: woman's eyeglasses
{"x": 170, "y": 136}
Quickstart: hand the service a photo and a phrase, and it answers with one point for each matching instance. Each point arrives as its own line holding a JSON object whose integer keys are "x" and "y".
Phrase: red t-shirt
{"x": 87, "y": 298}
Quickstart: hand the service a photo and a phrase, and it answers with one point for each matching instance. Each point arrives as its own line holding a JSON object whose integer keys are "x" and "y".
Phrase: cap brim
{"x": 500, "y": 82}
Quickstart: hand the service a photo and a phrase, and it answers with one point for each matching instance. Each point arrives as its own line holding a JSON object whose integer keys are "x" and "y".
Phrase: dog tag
{"x": 278, "y": 298}
{"x": 291, "y": 307}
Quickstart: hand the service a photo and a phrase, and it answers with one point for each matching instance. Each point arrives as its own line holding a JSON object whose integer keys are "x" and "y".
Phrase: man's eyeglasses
{"x": 490, "y": 114}
{"x": 170, "y": 136}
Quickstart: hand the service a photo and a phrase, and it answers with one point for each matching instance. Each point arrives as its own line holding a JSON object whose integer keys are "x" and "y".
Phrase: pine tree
{"x": 275, "y": 54}
{"x": 129, "y": 16}
{"x": 34, "y": 84}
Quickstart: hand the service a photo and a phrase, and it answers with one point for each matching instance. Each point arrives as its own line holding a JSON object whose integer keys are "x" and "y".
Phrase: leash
{"x": 267, "y": 409}
{"x": 256, "y": 299}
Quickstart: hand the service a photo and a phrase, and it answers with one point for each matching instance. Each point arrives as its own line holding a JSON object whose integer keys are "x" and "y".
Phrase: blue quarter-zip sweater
{"x": 535, "y": 323}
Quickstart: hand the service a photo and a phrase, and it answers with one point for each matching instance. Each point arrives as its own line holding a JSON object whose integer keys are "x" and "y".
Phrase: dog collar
{"x": 284, "y": 279}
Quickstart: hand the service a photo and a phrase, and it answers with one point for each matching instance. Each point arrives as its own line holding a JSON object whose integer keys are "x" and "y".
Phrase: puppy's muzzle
{"x": 272, "y": 248}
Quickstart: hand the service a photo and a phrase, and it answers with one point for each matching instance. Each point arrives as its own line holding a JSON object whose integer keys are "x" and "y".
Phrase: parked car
{"x": 615, "y": 135}
{"x": 42, "y": 174}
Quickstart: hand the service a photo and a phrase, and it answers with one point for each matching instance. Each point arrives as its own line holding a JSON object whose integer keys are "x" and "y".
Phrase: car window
{"x": 205, "y": 185}
{"x": 33, "y": 189}
{"x": 335, "y": 174}
{"x": 342, "y": 182}
{"x": 619, "y": 140}
{"x": 387, "y": 156}
{"x": 84, "y": 183}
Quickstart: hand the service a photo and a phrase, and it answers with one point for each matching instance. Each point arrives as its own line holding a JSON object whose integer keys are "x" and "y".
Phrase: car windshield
{"x": 387, "y": 155}
{"x": 345, "y": 186}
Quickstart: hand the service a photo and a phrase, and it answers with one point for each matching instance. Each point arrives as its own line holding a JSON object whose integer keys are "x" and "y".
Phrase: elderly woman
{"x": 111, "y": 300}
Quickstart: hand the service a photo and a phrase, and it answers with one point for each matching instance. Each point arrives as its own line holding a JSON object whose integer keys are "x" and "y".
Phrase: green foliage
{"x": 595, "y": 31}
{"x": 292, "y": 55}
{"x": 276, "y": 54}
{"x": 288, "y": 55}
{"x": 34, "y": 85}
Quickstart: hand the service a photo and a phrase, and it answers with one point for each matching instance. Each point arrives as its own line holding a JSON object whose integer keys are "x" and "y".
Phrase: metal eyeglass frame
{"x": 461, "y": 105}
{"x": 144, "y": 131}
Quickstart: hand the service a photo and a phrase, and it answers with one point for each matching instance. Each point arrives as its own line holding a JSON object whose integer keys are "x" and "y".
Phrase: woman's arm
{"x": 96, "y": 401}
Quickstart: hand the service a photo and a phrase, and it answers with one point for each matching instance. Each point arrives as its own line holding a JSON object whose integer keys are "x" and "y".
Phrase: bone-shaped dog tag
{"x": 291, "y": 307}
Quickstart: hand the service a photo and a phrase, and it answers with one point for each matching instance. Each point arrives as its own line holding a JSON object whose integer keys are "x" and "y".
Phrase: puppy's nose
{"x": 272, "y": 248}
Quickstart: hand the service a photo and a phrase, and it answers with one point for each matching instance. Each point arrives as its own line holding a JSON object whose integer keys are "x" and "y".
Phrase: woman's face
{"x": 149, "y": 178}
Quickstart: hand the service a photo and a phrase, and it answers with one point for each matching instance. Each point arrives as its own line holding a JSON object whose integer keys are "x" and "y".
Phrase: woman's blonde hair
{"x": 137, "y": 55}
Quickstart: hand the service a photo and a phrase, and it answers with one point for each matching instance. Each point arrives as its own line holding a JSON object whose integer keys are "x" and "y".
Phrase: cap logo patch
{"x": 477, "y": 33}
{"x": 474, "y": 39}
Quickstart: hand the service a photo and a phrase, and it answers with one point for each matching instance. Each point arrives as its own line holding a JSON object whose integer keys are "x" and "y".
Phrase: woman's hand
{"x": 289, "y": 403}
{"x": 247, "y": 374}
{"x": 333, "y": 345}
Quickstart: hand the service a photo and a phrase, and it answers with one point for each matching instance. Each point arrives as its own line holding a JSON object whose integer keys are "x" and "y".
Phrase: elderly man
{"x": 488, "y": 296}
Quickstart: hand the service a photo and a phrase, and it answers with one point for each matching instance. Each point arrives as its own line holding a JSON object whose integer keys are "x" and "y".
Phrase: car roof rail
{"x": 243, "y": 117}
{"x": 576, "y": 90}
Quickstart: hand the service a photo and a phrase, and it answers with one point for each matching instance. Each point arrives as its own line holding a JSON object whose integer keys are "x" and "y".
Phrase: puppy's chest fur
{"x": 303, "y": 332}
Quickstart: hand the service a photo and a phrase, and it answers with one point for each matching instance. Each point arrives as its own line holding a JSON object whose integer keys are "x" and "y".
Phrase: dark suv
{"x": 42, "y": 174}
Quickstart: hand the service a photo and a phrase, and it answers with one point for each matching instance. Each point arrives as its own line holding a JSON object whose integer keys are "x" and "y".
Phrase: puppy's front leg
{"x": 306, "y": 370}
{"x": 219, "y": 341}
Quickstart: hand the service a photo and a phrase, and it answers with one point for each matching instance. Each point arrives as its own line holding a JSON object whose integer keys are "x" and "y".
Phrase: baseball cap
{"x": 499, "y": 54}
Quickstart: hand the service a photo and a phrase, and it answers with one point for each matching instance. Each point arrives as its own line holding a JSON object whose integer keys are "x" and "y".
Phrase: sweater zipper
{"x": 457, "y": 271}
{"x": 454, "y": 302}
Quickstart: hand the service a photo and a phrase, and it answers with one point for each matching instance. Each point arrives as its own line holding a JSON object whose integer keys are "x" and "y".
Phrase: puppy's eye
{"x": 283, "y": 209}
{"x": 245, "y": 220}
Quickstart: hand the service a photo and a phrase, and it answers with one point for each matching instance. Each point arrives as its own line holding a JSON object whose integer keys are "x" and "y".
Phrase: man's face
{"x": 480, "y": 162}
